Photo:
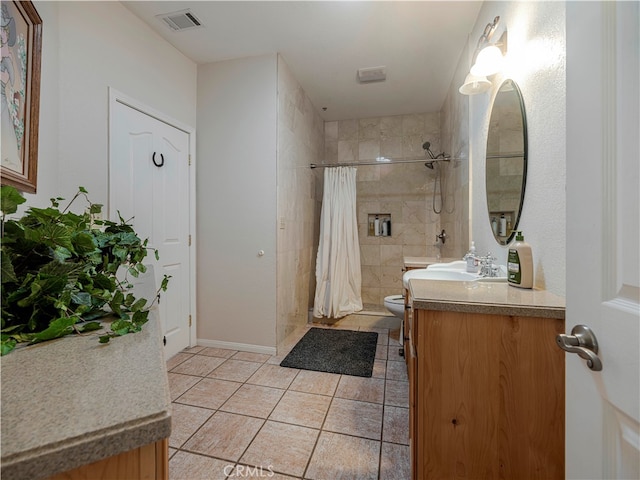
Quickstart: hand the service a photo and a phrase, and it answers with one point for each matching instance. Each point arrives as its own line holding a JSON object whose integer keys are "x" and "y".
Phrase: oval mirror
{"x": 506, "y": 164}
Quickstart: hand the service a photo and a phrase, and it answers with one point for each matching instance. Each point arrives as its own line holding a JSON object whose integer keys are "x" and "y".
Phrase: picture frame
{"x": 21, "y": 42}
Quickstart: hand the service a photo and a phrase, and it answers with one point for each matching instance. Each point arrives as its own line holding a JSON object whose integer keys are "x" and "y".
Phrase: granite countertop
{"x": 485, "y": 297}
{"x": 73, "y": 401}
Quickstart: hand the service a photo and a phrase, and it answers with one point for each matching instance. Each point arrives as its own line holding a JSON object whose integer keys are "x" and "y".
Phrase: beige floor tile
{"x": 217, "y": 352}
{"x": 251, "y": 357}
{"x": 195, "y": 349}
{"x": 253, "y": 400}
{"x": 177, "y": 359}
{"x": 342, "y": 457}
{"x": 185, "y": 420}
{"x": 320, "y": 383}
{"x": 172, "y": 452}
{"x": 178, "y": 384}
{"x": 251, "y": 471}
{"x": 396, "y": 393}
{"x": 395, "y": 462}
{"x": 225, "y": 435}
{"x": 286, "y": 448}
{"x": 395, "y": 428}
{"x": 394, "y": 337}
{"x": 360, "y": 388}
{"x": 394, "y": 354}
{"x": 273, "y": 376}
{"x": 305, "y": 409}
{"x": 235, "y": 370}
{"x": 381, "y": 352}
{"x": 189, "y": 466}
{"x": 209, "y": 393}
{"x": 379, "y": 369}
{"x": 397, "y": 371}
{"x": 350, "y": 417}
{"x": 198, "y": 365}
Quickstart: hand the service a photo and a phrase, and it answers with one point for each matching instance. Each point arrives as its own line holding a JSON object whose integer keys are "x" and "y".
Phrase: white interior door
{"x": 149, "y": 183}
{"x": 603, "y": 240}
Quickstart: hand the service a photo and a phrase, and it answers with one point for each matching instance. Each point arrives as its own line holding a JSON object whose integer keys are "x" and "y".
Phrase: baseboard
{"x": 243, "y": 347}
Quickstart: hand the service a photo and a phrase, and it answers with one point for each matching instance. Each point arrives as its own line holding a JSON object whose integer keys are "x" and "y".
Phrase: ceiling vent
{"x": 372, "y": 74}
{"x": 181, "y": 20}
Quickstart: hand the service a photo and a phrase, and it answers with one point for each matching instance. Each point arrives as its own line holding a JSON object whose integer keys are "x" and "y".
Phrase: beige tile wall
{"x": 300, "y": 143}
{"x": 402, "y": 190}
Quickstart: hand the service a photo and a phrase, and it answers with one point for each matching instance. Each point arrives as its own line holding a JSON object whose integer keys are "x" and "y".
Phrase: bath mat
{"x": 334, "y": 351}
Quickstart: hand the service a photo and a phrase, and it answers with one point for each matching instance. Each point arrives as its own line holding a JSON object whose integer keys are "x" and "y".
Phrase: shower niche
{"x": 379, "y": 224}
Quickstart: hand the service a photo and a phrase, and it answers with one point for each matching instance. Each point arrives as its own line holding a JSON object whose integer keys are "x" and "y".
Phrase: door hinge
{"x": 189, "y": 320}
{"x": 189, "y": 239}
{"x": 189, "y": 159}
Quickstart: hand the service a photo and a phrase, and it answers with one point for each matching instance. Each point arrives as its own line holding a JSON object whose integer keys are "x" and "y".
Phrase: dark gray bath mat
{"x": 334, "y": 351}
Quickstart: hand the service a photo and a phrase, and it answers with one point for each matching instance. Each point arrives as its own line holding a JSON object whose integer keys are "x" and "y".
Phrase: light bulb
{"x": 488, "y": 61}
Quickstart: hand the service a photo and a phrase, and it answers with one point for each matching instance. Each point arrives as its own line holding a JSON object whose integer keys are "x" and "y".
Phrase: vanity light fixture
{"x": 488, "y": 60}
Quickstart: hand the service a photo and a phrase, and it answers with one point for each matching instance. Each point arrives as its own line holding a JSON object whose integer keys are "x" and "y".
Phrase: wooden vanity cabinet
{"x": 486, "y": 396}
{"x": 150, "y": 462}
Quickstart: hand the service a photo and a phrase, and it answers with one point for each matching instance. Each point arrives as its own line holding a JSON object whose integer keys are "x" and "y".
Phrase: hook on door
{"x": 153, "y": 159}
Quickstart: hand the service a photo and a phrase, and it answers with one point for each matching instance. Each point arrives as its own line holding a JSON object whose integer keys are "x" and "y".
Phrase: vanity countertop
{"x": 485, "y": 297}
{"x": 73, "y": 401}
{"x": 423, "y": 262}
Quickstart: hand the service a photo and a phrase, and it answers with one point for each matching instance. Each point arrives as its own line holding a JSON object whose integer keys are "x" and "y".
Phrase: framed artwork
{"x": 21, "y": 37}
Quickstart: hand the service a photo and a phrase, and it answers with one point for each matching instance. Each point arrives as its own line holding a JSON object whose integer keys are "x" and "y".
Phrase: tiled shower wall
{"x": 405, "y": 191}
{"x": 300, "y": 143}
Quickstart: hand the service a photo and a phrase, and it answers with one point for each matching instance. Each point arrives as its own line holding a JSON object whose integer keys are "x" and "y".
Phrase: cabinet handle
{"x": 583, "y": 342}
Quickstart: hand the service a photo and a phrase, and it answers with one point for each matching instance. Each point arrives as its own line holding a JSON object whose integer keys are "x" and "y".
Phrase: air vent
{"x": 372, "y": 74}
{"x": 182, "y": 20}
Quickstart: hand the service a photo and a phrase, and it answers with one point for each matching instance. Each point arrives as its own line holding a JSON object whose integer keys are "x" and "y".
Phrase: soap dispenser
{"x": 520, "y": 263}
{"x": 470, "y": 257}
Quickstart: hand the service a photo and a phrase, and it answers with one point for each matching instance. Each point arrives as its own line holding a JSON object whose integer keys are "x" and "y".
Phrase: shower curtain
{"x": 338, "y": 275}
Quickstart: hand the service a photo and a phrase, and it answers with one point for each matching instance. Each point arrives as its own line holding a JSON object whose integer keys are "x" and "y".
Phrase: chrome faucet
{"x": 487, "y": 268}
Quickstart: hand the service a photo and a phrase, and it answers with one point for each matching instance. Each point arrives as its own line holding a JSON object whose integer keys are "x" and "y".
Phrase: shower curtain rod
{"x": 355, "y": 164}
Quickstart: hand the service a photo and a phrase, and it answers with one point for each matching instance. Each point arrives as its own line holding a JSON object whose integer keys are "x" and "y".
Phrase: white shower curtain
{"x": 338, "y": 275}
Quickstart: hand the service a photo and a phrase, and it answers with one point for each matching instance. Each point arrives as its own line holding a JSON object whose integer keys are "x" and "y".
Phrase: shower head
{"x": 426, "y": 146}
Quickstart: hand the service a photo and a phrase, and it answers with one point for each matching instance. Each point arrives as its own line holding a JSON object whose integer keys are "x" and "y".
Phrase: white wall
{"x": 236, "y": 218}
{"x": 87, "y": 47}
{"x": 536, "y": 61}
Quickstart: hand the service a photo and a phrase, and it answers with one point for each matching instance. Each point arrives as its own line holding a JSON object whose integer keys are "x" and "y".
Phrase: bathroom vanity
{"x": 73, "y": 408}
{"x": 486, "y": 381}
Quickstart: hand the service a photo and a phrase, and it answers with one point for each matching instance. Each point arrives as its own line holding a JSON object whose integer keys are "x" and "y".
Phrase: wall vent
{"x": 181, "y": 20}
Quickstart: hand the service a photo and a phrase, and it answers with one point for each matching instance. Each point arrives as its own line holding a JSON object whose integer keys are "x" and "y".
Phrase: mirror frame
{"x": 525, "y": 157}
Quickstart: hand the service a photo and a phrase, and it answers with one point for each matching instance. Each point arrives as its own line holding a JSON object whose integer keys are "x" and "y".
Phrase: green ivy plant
{"x": 61, "y": 271}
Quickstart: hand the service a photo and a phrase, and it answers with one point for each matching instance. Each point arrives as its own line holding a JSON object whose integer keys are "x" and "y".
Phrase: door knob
{"x": 583, "y": 342}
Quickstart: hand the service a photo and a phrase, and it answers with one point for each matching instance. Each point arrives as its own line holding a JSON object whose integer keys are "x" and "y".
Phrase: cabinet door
{"x": 149, "y": 462}
{"x": 490, "y": 396}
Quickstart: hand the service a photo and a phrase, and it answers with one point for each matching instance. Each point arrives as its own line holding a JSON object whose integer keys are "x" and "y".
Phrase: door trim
{"x": 115, "y": 97}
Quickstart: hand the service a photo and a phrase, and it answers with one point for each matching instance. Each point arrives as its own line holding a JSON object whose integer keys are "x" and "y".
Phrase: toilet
{"x": 395, "y": 304}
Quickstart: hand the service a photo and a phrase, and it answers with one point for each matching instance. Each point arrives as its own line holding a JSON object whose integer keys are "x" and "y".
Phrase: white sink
{"x": 453, "y": 271}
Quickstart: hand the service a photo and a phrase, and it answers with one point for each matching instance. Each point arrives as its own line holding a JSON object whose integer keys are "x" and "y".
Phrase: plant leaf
{"x": 90, "y": 326}
{"x": 58, "y": 328}
{"x": 7, "y": 344}
{"x": 10, "y": 198}
{"x": 8, "y": 274}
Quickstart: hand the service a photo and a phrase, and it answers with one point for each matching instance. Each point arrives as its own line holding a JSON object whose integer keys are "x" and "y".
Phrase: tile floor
{"x": 241, "y": 415}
